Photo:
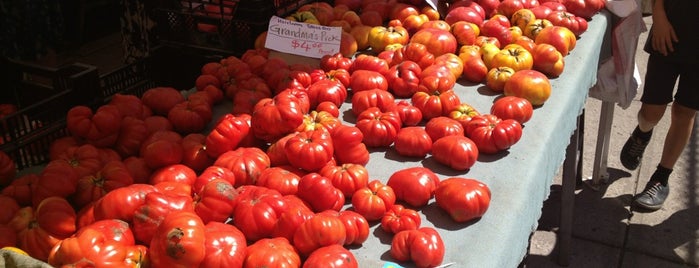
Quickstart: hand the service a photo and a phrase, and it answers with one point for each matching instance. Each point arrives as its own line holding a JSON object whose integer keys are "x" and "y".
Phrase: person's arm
{"x": 663, "y": 32}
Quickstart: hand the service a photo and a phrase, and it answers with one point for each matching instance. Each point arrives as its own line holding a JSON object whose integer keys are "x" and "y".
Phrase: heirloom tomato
{"x": 423, "y": 246}
{"x": 176, "y": 172}
{"x": 456, "y": 151}
{"x": 379, "y": 98}
{"x": 356, "y": 226}
{"x": 463, "y": 199}
{"x": 161, "y": 99}
{"x": 245, "y": 162}
{"x": 463, "y": 113}
{"x": 132, "y": 133}
{"x": 323, "y": 229}
{"x": 38, "y": 230}
{"x": 513, "y": 56}
{"x": 122, "y": 203}
{"x": 414, "y": 185}
{"x": 226, "y": 135}
{"x": 211, "y": 173}
{"x": 577, "y": 25}
{"x": 329, "y": 107}
{"x": 326, "y": 90}
{"x": 256, "y": 211}
{"x": 347, "y": 177}
{"x": 334, "y": 62}
{"x": 319, "y": 192}
{"x": 511, "y": 107}
{"x": 272, "y": 118}
{"x": 441, "y": 126}
{"x": 403, "y": 79}
{"x": 492, "y": 134}
{"x": 415, "y": 52}
{"x": 381, "y": 36}
{"x": 155, "y": 209}
{"x": 57, "y": 179}
{"x": 225, "y": 246}
{"x": 10, "y": 207}
{"x": 548, "y": 60}
{"x": 214, "y": 202}
{"x": 369, "y": 62}
{"x": 190, "y": 116}
{"x": 297, "y": 212}
{"x": 319, "y": 120}
{"x": 366, "y": 79}
{"x": 341, "y": 75}
{"x": 309, "y": 150}
{"x": 280, "y": 179}
{"x": 332, "y": 256}
{"x": 437, "y": 41}
{"x": 535, "y": 26}
{"x": 194, "y": 152}
{"x": 435, "y": 104}
{"x": 560, "y": 37}
{"x": 413, "y": 141}
{"x": 379, "y": 128}
{"x": 20, "y": 189}
{"x": 409, "y": 114}
{"x": 348, "y": 145}
{"x": 529, "y": 84}
{"x": 497, "y": 76}
{"x": 179, "y": 241}
{"x": 90, "y": 188}
{"x": 272, "y": 252}
{"x": 103, "y": 123}
{"x": 373, "y": 200}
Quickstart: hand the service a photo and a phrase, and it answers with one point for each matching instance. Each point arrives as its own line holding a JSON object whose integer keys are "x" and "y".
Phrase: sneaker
{"x": 653, "y": 196}
{"x": 632, "y": 152}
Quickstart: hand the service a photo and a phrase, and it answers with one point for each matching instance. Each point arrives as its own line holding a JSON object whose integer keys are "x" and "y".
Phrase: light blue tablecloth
{"x": 519, "y": 178}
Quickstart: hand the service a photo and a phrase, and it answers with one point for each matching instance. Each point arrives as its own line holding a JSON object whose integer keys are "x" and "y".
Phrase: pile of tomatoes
{"x": 165, "y": 179}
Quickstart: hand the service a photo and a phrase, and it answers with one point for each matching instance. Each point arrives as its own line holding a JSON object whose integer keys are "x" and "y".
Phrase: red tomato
{"x": 309, "y": 150}
{"x": 272, "y": 252}
{"x": 39, "y": 230}
{"x": 245, "y": 162}
{"x": 319, "y": 192}
{"x": 356, "y": 225}
{"x": 369, "y": 62}
{"x": 162, "y": 148}
{"x": 363, "y": 100}
{"x": 319, "y": 120}
{"x": 228, "y": 132}
{"x": 273, "y": 118}
{"x": 346, "y": 177}
{"x": 497, "y": 76}
{"x": 104, "y": 122}
{"x": 334, "y": 62}
{"x": 10, "y": 207}
{"x": 379, "y": 128}
{"x": 403, "y": 78}
{"x": 414, "y": 52}
{"x": 529, "y": 84}
{"x": 122, "y": 203}
{"x": 511, "y": 107}
{"x": 90, "y": 188}
{"x": 157, "y": 206}
{"x": 132, "y": 133}
{"x": 329, "y": 107}
{"x": 297, "y": 213}
{"x": 106, "y": 242}
{"x": 190, "y": 116}
{"x": 332, "y": 256}
{"x": 257, "y": 210}
{"x": 463, "y": 113}
{"x": 409, "y": 114}
{"x": 492, "y": 134}
{"x": 348, "y": 145}
{"x": 57, "y": 179}
{"x": 414, "y": 185}
{"x": 177, "y": 172}
{"x": 212, "y": 173}
{"x": 399, "y": 218}
{"x": 374, "y": 200}
{"x": 194, "y": 152}
{"x": 323, "y": 229}
{"x": 463, "y": 199}
{"x": 441, "y": 126}
{"x": 326, "y": 90}
{"x": 367, "y": 79}
{"x": 437, "y": 41}
{"x": 435, "y": 104}
{"x": 161, "y": 99}
{"x": 413, "y": 142}
{"x": 21, "y": 189}
{"x": 214, "y": 201}
{"x": 456, "y": 151}
{"x": 225, "y": 246}
{"x": 179, "y": 241}
{"x": 424, "y": 246}
{"x": 280, "y": 179}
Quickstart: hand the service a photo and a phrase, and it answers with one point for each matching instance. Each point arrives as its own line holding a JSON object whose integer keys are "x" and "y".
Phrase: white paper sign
{"x": 303, "y": 39}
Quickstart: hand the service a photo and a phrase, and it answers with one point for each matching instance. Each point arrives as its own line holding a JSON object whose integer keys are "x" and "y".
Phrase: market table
{"x": 519, "y": 178}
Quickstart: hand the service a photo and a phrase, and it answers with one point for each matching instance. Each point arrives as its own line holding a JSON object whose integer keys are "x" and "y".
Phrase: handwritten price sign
{"x": 302, "y": 39}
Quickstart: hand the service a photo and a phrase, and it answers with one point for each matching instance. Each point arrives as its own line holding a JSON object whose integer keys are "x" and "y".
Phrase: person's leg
{"x": 683, "y": 113}
{"x": 658, "y": 88}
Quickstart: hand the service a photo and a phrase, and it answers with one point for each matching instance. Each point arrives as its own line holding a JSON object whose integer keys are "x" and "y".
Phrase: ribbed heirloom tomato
{"x": 374, "y": 200}
{"x": 424, "y": 246}
{"x": 414, "y": 185}
{"x": 511, "y": 107}
{"x": 463, "y": 199}
{"x": 456, "y": 151}
{"x": 179, "y": 241}
{"x": 492, "y": 134}
{"x": 529, "y": 84}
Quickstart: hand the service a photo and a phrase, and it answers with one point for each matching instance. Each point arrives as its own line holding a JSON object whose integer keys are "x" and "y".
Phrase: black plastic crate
{"x": 225, "y": 25}
{"x": 43, "y": 97}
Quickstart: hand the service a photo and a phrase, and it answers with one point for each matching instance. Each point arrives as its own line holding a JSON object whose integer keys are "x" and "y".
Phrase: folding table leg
{"x": 569, "y": 181}
{"x": 599, "y": 167}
